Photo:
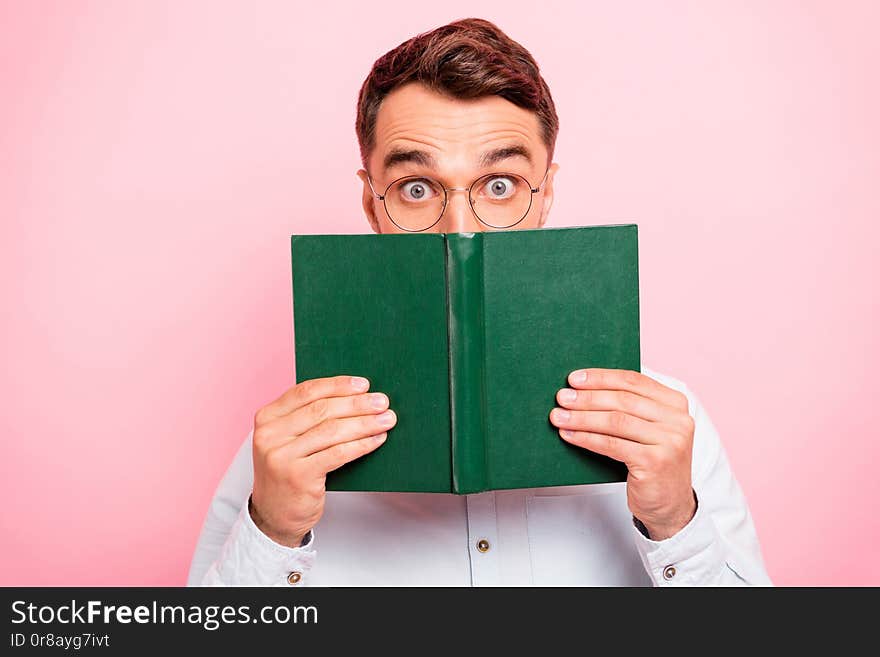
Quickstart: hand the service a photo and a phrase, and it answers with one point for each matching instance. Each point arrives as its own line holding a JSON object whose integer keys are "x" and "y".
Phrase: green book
{"x": 470, "y": 335}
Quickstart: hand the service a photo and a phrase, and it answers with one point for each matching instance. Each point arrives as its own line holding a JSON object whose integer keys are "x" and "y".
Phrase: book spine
{"x": 464, "y": 271}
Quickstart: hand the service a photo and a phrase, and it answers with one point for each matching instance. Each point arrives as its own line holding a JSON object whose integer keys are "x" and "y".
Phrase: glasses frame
{"x": 446, "y": 190}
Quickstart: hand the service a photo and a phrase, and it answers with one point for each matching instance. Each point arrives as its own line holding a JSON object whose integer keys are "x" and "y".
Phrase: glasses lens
{"x": 501, "y": 199}
{"x": 414, "y": 203}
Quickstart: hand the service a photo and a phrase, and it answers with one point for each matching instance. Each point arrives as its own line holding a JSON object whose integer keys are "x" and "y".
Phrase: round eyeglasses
{"x": 499, "y": 200}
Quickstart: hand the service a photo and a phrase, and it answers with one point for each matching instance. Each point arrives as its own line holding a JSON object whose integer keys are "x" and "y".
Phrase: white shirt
{"x": 558, "y": 536}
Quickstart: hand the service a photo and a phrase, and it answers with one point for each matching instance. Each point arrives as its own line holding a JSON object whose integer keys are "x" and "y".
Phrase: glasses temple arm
{"x": 380, "y": 197}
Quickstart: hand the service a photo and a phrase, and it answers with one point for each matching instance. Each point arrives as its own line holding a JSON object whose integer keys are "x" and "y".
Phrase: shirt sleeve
{"x": 719, "y": 546}
{"x": 232, "y": 551}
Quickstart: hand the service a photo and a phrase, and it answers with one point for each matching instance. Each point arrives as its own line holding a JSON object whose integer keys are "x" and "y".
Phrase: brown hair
{"x": 465, "y": 59}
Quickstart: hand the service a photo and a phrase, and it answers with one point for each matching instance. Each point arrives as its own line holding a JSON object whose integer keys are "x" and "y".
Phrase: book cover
{"x": 470, "y": 335}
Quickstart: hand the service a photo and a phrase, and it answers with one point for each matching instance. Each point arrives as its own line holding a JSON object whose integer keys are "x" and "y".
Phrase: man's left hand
{"x": 632, "y": 418}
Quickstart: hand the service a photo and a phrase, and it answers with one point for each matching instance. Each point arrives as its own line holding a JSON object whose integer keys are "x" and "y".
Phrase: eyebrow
{"x": 418, "y": 157}
{"x": 496, "y": 155}
{"x": 408, "y": 155}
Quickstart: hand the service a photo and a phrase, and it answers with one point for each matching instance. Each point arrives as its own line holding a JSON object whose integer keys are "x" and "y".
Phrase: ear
{"x": 369, "y": 202}
{"x": 548, "y": 194}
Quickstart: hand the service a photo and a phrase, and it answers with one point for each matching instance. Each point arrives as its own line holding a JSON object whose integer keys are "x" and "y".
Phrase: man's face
{"x": 422, "y": 133}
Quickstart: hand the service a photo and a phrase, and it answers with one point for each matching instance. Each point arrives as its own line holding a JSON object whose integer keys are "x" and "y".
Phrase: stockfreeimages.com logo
{"x": 210, "y": 617}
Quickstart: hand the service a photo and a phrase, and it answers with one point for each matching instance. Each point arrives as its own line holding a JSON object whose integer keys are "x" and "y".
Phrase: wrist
{"x": 292, "y": 539}
{"x": 669, "y": 527}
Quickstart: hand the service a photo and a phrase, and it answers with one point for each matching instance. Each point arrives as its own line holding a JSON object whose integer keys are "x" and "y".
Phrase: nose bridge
{"x": 459, "y": 217}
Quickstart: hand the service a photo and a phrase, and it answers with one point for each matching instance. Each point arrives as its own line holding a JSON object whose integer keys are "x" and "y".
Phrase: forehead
{"x": 414, "y": 116}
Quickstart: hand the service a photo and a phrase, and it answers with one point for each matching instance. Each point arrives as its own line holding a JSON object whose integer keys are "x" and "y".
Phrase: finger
{"x": 286, "y": 428}
{"x": 616, "y": 448}
{"x": 308, "y": 391}
{"x": 629, "y": 380}
{"x": 338, "y": 455}
{"x": 343, "y": 430}
{"x": 616, "y": 400}
{"x": 612, "y": 423}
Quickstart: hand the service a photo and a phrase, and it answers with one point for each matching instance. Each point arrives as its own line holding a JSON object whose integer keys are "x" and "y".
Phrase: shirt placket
{"x": 483, "y": 546}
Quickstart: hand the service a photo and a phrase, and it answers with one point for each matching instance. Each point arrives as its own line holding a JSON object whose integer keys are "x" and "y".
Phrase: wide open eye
{"x": 499, "y": 188}
{"x": 416, "y": 190}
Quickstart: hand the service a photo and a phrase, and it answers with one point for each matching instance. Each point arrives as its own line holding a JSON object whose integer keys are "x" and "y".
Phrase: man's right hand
{"x": 315, "y": 427}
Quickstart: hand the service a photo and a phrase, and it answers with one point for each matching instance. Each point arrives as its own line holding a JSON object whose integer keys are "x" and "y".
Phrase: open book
{"x": 470, "y": 335}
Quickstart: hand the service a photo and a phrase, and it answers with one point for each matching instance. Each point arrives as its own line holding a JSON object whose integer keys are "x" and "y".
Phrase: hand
{"x": 632, "y": 418}
{"x": 315, "y": 427}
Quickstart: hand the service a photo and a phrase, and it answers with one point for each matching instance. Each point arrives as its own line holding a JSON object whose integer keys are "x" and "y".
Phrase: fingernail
{"x": 567, "y": 395}
{"x": 561, "y": 415}
{"x": 565, "y": 433}
{"x": 379, "y": 438}
{"x": 579, "y": 377}
{"x": 378, "y": 400}
{"x": 359, "y": 383}
{"x": 386, "y": 418}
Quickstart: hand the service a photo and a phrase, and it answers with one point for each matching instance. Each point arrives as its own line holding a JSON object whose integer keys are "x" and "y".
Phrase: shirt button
{"x": 669, "y": 572}
{"x": 294, "y": 578}
{"x": 483, "y": 545}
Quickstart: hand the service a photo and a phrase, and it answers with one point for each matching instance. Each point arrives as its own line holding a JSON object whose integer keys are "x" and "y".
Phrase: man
{"x": 445, "y": 121}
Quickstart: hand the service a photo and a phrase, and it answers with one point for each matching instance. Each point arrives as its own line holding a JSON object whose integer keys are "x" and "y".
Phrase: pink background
{"x": 156, "y": 156}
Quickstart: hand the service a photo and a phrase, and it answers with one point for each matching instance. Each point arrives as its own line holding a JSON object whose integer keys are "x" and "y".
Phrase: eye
{"x": 499, "y": 188}
{"x": 417, "y": 190}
